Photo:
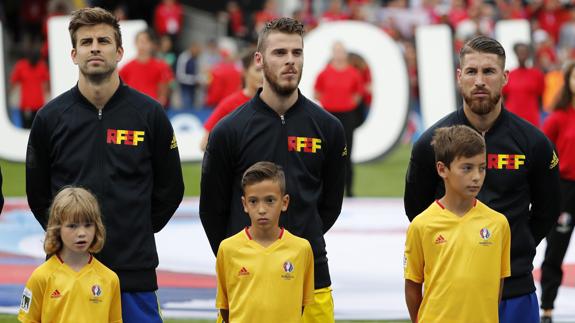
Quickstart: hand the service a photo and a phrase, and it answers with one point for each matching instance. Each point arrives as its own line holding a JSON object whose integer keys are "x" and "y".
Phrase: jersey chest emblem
{"x": 96, "y": 293}
{"x": 304, "y": 144}
{"x": 288, "y": 268}
{"x": 485, "y": 234}
{"x": 505, "y": 161}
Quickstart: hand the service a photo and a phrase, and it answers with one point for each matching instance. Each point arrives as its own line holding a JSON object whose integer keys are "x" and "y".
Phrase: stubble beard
{"x": 98, "y": 77}
{"x": 272, "y": 80}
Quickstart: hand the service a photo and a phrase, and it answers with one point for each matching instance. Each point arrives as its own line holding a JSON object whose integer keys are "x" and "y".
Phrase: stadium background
{"x": 378, "y": 184}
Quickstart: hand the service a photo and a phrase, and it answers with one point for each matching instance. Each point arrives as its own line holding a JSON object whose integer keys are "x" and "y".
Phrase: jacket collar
{"x": 503, "y": 115}
{"x": 262, "y": 106}
{"x": 122, "y": 88}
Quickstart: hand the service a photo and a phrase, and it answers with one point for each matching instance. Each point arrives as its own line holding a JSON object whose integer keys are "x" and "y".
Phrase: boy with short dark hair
{"x": 264, "y": 272}
{"x": 458, "y": 246}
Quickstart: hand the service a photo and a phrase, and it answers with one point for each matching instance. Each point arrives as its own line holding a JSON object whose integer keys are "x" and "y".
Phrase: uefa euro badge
{"x": 96, "y": 290}
{"x": 288, "y": 269}
{"x": 485, "y": 234}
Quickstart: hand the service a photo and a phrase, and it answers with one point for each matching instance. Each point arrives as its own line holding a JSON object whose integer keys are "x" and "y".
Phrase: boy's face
{"x": 264, "y": 203}
{"x": 77, "y": 237}
{"x": 464, "y": 176}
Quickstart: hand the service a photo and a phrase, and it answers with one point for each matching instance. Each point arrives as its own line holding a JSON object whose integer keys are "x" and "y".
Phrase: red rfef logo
{"x": 304, "y": 144}
{"x": 126, "y": 137}
{"x": 505, "y": 161}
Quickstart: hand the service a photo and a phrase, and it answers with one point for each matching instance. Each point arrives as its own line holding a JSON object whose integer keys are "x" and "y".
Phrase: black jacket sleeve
{"x": 1, "y": 195}
{"x": 421, "y": 180}
{"x": 545, "y": 190}
{"x": 329, "y": 206}
{"x": 168, "y": 189}
{"x": 216, "y": 185}
{"x": 38, "y": 181}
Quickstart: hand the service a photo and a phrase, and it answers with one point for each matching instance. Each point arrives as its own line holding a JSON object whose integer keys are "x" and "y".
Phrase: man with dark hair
{"x": 522, "y": 180}
{"x": 119, "y": 144}
{"x": 280, "y": 125}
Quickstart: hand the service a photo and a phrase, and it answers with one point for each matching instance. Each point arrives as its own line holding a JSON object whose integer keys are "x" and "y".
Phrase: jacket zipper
{"x": 283, "y": 119}
{"x": 99, "y": 114}
{"x": 285, "y": 159}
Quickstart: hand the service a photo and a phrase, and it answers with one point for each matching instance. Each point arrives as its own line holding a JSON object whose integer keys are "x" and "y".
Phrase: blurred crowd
{"x": 198, "y": 74}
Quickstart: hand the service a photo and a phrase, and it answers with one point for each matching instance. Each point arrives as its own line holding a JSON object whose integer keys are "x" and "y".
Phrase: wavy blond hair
{"x": 73, "y": 205}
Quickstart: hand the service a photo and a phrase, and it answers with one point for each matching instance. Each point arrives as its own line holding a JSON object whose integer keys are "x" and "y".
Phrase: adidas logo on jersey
{"x": 55, "y": 294}
{"x": 243, "y": 272}
{"x": 440, "y": 239}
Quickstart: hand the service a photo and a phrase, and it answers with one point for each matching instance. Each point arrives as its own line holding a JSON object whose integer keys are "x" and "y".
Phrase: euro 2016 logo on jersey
{"x": 288, "y": 268}
{"x": 485, "y": 235}
{"x": 96, "y": 290}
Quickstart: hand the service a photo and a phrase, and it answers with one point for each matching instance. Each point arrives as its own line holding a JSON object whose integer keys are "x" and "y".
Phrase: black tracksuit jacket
{"x": 314, "y": 176}
{"x": 522, "y": 182}
{"x": 136, "y": 176}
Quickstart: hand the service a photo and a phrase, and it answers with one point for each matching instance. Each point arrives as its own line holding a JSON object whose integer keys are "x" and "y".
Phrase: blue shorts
{"x": 141, "y": 307}
{"x": 522, "y": 309}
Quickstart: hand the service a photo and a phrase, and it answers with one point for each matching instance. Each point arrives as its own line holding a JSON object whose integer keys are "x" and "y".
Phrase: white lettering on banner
{"x": 377, "y": 136}
{"x": 389, "y": 107}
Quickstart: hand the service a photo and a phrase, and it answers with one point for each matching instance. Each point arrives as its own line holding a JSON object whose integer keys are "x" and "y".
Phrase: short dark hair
{"x": 482, "y": 44}
{"x": 91, "y": 17}
{"x": 450, "y": 143}
{"x": 262, "y": 171}
{"x": 151, "y": 35}
{"x": 248, "y": 59}
{"x": 284, "y": 25}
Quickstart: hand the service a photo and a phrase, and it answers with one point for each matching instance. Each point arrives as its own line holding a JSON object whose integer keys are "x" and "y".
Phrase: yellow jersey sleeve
{"x": 413, "y": 260}
{"x": 222, "y": 293}
{"x": 506, "y": 253}
{"x": 116, "y": 303}
{"x": 308, "y": 284}
{"x": 32, "y": 299}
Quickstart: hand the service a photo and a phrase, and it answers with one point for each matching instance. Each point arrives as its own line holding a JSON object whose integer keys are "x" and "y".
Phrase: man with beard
{"x": 280, "y": 125}
{"x": 118, "y": 143}
{"x": 522, "y": 180}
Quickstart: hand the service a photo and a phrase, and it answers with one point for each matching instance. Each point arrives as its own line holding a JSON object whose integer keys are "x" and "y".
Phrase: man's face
{"x": 481, "y": 78}
{"x": 144, "y": 45}
{"x": 96, "y": 52}
{"x": 282, "y": 62}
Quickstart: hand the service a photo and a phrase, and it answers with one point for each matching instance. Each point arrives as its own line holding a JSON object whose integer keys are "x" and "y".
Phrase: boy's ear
{"x": 441, "y": 169}
{"x": 285, "y": 202}
{"x": 244, "y": 204}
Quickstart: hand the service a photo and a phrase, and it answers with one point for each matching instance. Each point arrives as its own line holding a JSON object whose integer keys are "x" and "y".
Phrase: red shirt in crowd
{"x": 523, "y": 93}
{"x": 146, "y": 77}
{"x": 559, "y": 127}
{"x": 337, "y": 88}
{"x": 225, "y": 107}
{"x": 226, "y": 79}
{"x": 31, "y": 80}
{"x": 168, "y": 18}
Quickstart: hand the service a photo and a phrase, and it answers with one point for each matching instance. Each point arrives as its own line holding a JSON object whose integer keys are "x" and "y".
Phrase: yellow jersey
{"x": 264, "y": 284}
{"x": 460, "y": 261}
{"x": 56, "y": 293}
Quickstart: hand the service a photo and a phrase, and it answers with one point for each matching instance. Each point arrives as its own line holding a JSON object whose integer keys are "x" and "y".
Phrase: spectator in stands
{"x": 559, "y": 127}
{"x": 147, "y": 73}
{"x": 334, "y": 12}
{"x": 168, "y": 19}
{"x": 189, "y": 75}
{"x": 253, "y": 79}
{"x": 225, "y": 79}
{"x": 236, "y": 21}
{"x": 339, "y": 89}
{"x": 31, "y": 75}
{"x": 166, "y": 51}
{"x": 524, "y": 89}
